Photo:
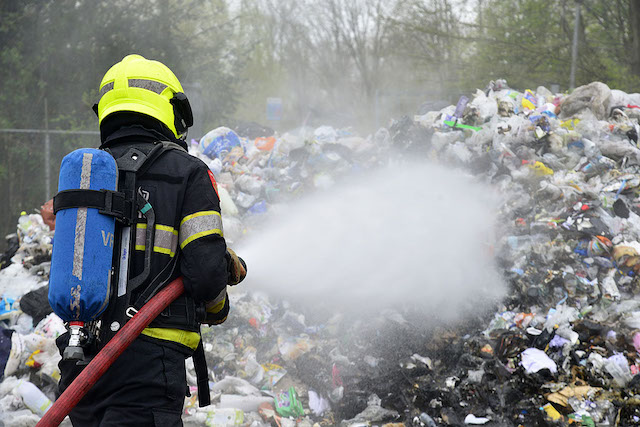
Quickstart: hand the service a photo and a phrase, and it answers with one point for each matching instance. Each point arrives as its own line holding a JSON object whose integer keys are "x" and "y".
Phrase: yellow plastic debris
{"x": 527, "y": 99}
{"x": 570, "y": 124}
{"x": 552, "y": 412}
{"x": 32, "y": 362}
{"x": 540, "y": 169}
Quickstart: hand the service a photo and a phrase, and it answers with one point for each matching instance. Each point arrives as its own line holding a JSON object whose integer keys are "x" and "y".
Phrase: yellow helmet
{"x": 148, "y": 87}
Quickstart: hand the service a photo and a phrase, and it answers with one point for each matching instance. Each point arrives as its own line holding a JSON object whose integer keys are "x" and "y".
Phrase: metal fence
{"x": 29, "y": 167}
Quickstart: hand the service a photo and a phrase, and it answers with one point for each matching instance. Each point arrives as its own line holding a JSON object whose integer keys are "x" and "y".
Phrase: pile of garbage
{"x": 28, "y": 328}
{"x": 256, "y": 174}
{"x": 561, "y": 349}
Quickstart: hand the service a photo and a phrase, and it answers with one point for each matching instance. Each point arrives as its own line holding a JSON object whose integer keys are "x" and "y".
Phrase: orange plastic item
{"x": 48, "y": 216}
{"x": 523, "y": 319}
{"x": 265, "y": 143}
{"x": 487, "y": 349}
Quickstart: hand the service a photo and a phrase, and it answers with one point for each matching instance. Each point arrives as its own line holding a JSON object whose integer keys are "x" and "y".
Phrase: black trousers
{"x": 145, "y": 386}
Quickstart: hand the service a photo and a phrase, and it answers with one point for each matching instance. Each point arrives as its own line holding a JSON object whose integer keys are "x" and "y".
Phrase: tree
{"x": 434, "y": 42}
{"x": 59, "y": 50}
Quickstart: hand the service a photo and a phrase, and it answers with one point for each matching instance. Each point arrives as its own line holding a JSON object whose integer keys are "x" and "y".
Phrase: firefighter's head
{"x": 141, "y": 86}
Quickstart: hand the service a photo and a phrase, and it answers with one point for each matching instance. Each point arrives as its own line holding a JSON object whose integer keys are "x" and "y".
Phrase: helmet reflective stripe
{"x": 104, "y": 89}
{"x": 156, "y": 87}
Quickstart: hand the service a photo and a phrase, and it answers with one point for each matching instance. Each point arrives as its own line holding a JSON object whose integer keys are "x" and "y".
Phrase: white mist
{"x": 415, "y": 236}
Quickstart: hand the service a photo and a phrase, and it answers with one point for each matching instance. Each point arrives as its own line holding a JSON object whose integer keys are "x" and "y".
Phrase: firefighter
{"x": 141, "y": 104}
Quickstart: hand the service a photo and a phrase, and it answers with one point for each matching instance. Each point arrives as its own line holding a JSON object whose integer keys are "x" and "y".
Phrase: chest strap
{"x": 108, "y": 202}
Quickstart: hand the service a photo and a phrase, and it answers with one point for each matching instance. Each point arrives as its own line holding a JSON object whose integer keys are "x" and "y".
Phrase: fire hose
{"x": 105, "y": 358}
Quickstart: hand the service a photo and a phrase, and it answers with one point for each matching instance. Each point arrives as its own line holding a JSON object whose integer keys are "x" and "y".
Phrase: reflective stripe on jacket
{"x": 189, "y": 226}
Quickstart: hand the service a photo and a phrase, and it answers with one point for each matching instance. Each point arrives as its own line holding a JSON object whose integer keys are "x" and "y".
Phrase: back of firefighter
{"x": 141, "y": 105}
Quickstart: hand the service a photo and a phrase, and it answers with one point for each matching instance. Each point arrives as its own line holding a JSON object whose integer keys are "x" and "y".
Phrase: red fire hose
{"x": 114, "y": 348}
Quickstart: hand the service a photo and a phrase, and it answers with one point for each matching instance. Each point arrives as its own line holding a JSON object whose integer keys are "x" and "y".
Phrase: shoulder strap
{"x": 132, "y": 164}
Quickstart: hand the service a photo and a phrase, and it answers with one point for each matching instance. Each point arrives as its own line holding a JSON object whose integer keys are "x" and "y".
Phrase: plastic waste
{"x": 265, "y": 143}
{"x": 234, "y": 385}
{"x": 552, "y": 412}
{"x": 595, "y": 97}
{"x": 33, "y": 398}
{"x": 534, "y": 360}
{"x": 374, "y": 412}
{"x": 325, "y": 134}
{"x": 427, "y": 420}
{"x": 224, "y": 417}
{"x": 618, "y": 367}
{"x": 219, "y": 142}
{"x": 292, "y": 347}
{"x": 245, "y": 200}
{"x": 273, "y": 373}
{"x": 472, "y": 419}
{"x": 288, "y": 404}
{"x": 7, "y": 305}
{"x": 318, "y": 404}
{"x": 24, "y": 223}
{"x": 244, "y": 403}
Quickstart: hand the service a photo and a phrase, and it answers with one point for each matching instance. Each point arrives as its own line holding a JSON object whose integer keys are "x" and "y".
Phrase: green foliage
{"x": 619, "y": 76}
{"x": 523, "y": 42}
{"x": 59, "y": 50}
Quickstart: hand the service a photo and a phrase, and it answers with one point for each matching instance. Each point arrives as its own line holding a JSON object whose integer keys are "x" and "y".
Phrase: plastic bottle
{"x": 24, "y": 222}
{"x": 427, "y": 420}
{"x": 33, "y": 398}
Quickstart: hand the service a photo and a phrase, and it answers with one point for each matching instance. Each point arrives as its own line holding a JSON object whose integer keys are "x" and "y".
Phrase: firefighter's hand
{"x": 237, "y": 268}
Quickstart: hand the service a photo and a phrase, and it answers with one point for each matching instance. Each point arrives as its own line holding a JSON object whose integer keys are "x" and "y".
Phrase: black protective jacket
{"x": 188, "y": 232}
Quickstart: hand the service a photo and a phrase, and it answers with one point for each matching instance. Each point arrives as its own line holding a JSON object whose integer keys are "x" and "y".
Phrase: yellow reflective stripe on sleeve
{"x": 222, "y": 295}
{"x": 199, "y": 235}
{"x": 198, "y": 225}
{"x": 216, "y": 308}
{"x": 215, "y": 305}
{"x": 186, "y": 338}
{"x": 165, "y": 242}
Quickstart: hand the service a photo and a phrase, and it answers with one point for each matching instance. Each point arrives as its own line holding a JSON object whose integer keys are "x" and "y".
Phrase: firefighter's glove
{"x": 217, "y": 310}
{"x": 237, "y": 268}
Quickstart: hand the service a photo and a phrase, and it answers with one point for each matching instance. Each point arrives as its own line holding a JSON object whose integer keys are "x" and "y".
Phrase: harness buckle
{"x": 117, "y": 205}
{"x": 130, "y": 312}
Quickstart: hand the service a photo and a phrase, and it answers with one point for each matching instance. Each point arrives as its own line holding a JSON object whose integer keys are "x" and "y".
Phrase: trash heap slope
{"x": 561, "y": 348}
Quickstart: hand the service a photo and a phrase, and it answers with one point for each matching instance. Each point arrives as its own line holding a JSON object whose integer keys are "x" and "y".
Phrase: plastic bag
{"x": 219, "y": 142}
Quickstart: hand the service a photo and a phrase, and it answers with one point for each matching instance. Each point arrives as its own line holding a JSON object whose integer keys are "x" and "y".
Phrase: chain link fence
{"x": 28, "y": 174}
